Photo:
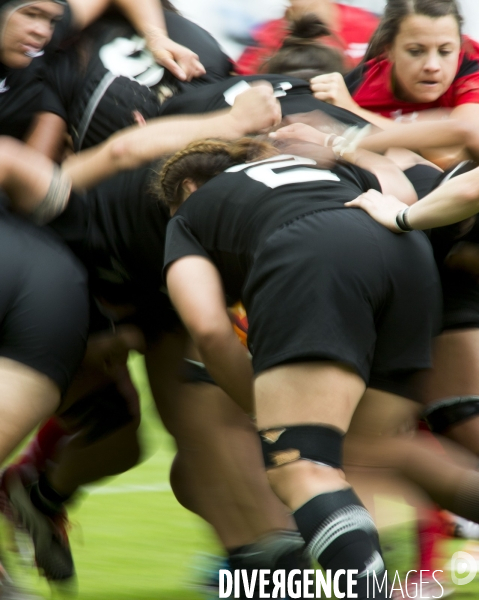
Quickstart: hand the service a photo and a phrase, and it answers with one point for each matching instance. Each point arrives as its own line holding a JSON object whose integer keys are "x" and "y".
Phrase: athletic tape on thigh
{"x": 444, "y": 414}
{"x": 316, "y": 443}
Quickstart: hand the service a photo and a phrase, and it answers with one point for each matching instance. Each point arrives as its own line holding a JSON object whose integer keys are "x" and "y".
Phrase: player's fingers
{"x": 277, "y": 114}
{"x": 324, "y": 96}
{"x": 325, "y": 78}
{"x": 366, "y": 199}
{"x": 166, "y": 59}
{"x": 262, "y": 83}
{"x": 289, "y": 131}
{"x": 356, "y": 203}
{"x": 191, "y": 66}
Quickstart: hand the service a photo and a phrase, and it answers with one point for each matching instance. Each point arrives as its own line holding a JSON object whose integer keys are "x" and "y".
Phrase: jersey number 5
{"x": 271, "y": 173}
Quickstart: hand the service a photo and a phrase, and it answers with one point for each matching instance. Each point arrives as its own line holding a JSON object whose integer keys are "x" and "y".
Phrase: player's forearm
{"x": 25, "y": 175}
{"x": 167, "y": 135}
{"x": 417, "y": 136}
{"x": 372, "y": 117}
{"x": 252, "y": 111}
{"x": 390, "y": 177}
{"x": 146, "y": 16}
{"x": 136, "y": 146}
{"x": 450, "y": 203}
{"x": 227, "y": 362}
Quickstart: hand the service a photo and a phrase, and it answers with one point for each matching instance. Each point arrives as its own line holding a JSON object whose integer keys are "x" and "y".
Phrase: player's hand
{"x": 256, "y": 109}
{"x": 381, "y": 207}
{"x": 179, "y": 60}
{"x": 331, "y": 88}
{"x": 300, "y": 131}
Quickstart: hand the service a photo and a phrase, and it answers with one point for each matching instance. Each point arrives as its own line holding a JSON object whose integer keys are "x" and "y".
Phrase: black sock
{"x": 46, "y": 498}
{"x": 340, "y": 534}
{"x": 277, "y": 550}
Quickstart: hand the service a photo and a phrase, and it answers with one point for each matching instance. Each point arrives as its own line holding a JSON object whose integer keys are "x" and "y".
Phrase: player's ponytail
{"x": 303, "y": 54}
{"x": 307, "y": 27}
{"x": 201, "y": 161}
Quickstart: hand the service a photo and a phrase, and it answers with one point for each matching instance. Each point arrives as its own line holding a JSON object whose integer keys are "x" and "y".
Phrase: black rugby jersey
{"x": 294, "y": 95}
{"x": 229, "y": 218}
{"x": 82, "y": 77}
{"x": 118, "y": 231}
{"x": 21, "y": 89}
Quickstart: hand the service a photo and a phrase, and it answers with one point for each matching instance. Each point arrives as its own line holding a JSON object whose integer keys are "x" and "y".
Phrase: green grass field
{"x": 132, "y": 541}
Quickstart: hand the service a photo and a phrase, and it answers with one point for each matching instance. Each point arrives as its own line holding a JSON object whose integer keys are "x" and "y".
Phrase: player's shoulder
{"x": 373, "y": 74}
{"x": 468, "y": 62}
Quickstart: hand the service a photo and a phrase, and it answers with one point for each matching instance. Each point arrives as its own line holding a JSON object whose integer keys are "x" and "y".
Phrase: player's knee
{"x": 302, "y": 457}
{"x": 316, "y": 443}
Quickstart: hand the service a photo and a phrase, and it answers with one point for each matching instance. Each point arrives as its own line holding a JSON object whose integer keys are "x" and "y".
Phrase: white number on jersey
{"x": 280, "y": 90}
{"x": 130, "y": 58}
{"x": 264, "y": 171}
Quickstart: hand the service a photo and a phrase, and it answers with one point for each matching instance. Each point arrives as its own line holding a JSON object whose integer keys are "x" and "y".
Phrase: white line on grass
{"x": 129, "y": 489}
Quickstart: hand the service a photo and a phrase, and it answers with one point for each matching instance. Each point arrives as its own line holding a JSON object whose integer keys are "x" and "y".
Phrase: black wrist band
{"x": 402, "y": 221}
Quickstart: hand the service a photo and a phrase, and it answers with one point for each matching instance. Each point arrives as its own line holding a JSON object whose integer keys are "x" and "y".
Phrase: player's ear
{"x": 188, "y": 186}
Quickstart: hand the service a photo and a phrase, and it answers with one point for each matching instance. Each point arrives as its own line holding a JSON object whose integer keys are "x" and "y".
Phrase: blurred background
{"x": 233, "y": 21}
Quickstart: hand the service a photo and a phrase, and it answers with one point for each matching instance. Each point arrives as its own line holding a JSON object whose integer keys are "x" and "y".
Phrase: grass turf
{"x": 132, "y": 541}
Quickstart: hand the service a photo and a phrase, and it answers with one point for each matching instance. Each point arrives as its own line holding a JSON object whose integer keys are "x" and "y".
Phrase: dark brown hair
{"x": 167, "y": 4}
{"x": 395, "y": 13}
{"x": 302, "y": 55}
{"x": 202, "y": 160}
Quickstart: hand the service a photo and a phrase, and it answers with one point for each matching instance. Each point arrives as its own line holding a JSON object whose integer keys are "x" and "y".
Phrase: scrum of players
{"x": 156, "y": 197}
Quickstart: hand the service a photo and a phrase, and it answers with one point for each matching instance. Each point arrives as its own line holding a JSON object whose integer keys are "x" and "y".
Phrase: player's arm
{"x": 456, "y": 200}
{"x": 389, "y": 175}
{"x": 196, "y": 291}
{"x": 47, "y": 135}
{"x": 331, "y": 88}
{"x": 252, "y": 111}
{"x": 34, "y": 184}
{"x": 148, "y": 19}
{"x": 426, "y": 135}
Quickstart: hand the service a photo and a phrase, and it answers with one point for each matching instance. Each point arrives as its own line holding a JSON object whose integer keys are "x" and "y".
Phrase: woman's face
{"x": 27, "y": 31}
{"x": 425, "y": 55}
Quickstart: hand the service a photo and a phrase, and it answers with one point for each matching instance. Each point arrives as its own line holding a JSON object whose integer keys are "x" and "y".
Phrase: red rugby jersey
{"x": 370, "y": 85}
{"x": 356, "y": 27}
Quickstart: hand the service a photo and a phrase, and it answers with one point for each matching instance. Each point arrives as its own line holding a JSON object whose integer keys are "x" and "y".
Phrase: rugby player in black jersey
{"x": 107, "y": 82}
{"x": 249, "y": 258}
{"x": 282, "y": 242}
{"x": 31, "y": 30}
{"x": 127, "y": 154}
{"x": 450, "y": 390}
{"x": 118, "y": 231}
{"x": 109, "y": 79}
{"x": 44, "y": 326}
